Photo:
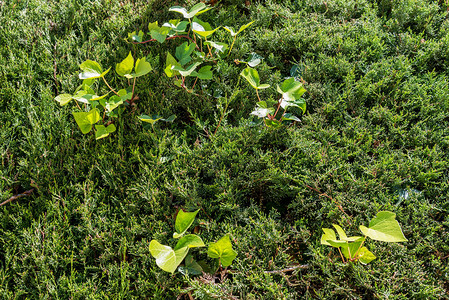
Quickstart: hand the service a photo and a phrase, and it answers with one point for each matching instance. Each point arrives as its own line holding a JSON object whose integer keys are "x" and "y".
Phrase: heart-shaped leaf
{"x": 85, "y": 120}
{"x": 187, "y": 71}
{"x": 113, "y": 102}
{"x": 183, "y": 221}
{"x": 101, "y": 132}
{"x": 385, "y": 228}
{"x": 195, "y": 10}
{"x": 91, "y": 69}
{"x": 365, "y": 256}
{"x": 176, "y": 25}
{"x": 169, "y": 64}
{"x": 190, "y": 241}
{"x": 202, "y": 28}
{"x": 153, "y": 119}
{"x": 142, "y": 67}
{"x": 63, "y": 99}
{"x": 183, "y": 52}
{"x": 166, "y": 258}
{"x": 262, "y": 110}
{"x": 243, "y": 27}
{"x": 252, "y": 76}
{"x": 126, "y": 66}
{"x": 222, "y": 249}
{"x": 191, "y": 267}
{"x": 204, "y": 73}
{"x": 329, "y": 234}
{"x": 218, "y": 46}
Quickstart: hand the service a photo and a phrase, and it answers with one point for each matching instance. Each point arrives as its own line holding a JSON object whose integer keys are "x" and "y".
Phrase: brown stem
{"x": 279, "y": 106}
{"x": 76, "y": 102}
{"x": 258, "y": 95}
{"x": 132, "y": 94}
{"x": 194, "y": 83}
{"x": 24, "y": 194}
{"x": 110, "y": 86}
{"x": 342, "y": 257}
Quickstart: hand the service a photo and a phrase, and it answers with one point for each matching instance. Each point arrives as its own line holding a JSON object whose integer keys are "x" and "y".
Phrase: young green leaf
{"x": 187, "y": 71}
{"x": 166, "y": 258}
{"x": 290, "y": 117}
{"x": 262, "y": 110}
{"x": 183, "y": 222}
{"x": 85, "y": 120}
{"x": 202, "y": 28}
{"x": 190, "y": 241}
{"x": 153, "y": 119}
{"x": 126, "y": 66}
{"x": 365, "y": 256}
{"x": 195, "y": 10}
{"x": 63, "y": 99}
{"x": 183, "y": 52}
{"x": 243, "y": 27}
{"x": 252, "y": 76}
{"x": 170, "y": 63}
{"x": 204, "y": 73}
{"x": 291, "y": 89}
{"x": 101, "y": 132}
{"x": 176, "y": 25}
{"x": 191, "y": 267}
{"x": 329, "y": 234}
{"x": 142, "y": 67}
{"x": 91, "y": 69}
{"x": 113, "y": 102}
{"x": 222, "y": 249}
{"x": 385, "y": 228}
{"x": 218, "y": 46}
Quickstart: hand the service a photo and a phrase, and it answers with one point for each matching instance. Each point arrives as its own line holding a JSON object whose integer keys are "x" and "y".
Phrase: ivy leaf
{"x": 125, "y": 67}
{"x": 191, "y": 267}
{"x": 219, "y": 46}
{"x": 63, "y": 99}
{"x": 176, "y": 25}
{"x": 187, "y": 71}
{"x": 91, "y": 69}
{"x": 291, "y": 89}
{"x": 329, "y": 234}
{"x": 222, "y": 249}
{"x": 195, "y": 10}
{"x": 204, "y": 73}
{"x": 243, "y": 27}
{"x": 153, "y": 119}
{"x": 252, "y": 76}
{"x": 202, "y": 28}
{"x": 365, "y": 256}
{"x": 142, "y": 68}
{"x": 166, "y": 258}
{"x": 290, "y": 117}
{"x": 183, "y": 52}
{"x": 262, "y": 110}
{"x": 101, "y": 132}
{"x": 113, "y": 102}
{"x": 190, "y": 241}
{"x": 85, "y": 120}
{"x": 183, "y": 221}
{"x": 385, "y": 228}
{"x": 136, "y": 37}
{"x": 171, "y": 62}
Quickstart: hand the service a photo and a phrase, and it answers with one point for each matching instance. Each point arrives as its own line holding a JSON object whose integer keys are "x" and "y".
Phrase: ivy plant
{"x": 169, "y": 259}
{"x": 193, "y": 60}
{"x": 384, "y": 227}
{"x": 291, "y": 91}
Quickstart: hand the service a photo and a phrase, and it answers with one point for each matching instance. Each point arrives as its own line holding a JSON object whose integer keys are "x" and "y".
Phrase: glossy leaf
{"x": 385, "y": 228}
{"x": 153, "y": 119}
{"x": 183, "y": 52}
{"x": 126, "y": 66}
{"x": 262, "y": 110}
{"x": 195, "y": 10}
{"x": 166, "y": 258}
{"x": 191, "y": 267}
{"x": 329, "y": 234}
{"x": 218, "y": 46}
{"x": 187, "y": 71}
{"x": 252, "y": 76}
{"x": 142, "y": 67}
{"x": 113, "y": 102}
{"x": 63, "y": 99}
{"x": 290, "y": 117}
{"x": 202, "y": 28}
{"x": 176, "y": 25}
{"x": 365, "y": 256}
{"x": 190, "y": 241}
{"x": 183, "y": 221}
{"x": 243, "y": 27}
{"x": 204, "y": 73}
{"x": 171, "y": 62}
{"x": 101, "y": 132}
{"x": 85, "y": 120}
{"x": 91, "y": 69}
{"x": 222, "y": 249}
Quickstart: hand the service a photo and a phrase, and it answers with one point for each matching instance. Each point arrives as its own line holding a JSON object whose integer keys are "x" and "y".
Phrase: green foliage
{"x": 383, "y": 227}
{"x": 169, "y": 259}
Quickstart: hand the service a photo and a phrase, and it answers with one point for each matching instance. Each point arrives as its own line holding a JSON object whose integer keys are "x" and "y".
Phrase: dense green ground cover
{"x": 375, "y": 137}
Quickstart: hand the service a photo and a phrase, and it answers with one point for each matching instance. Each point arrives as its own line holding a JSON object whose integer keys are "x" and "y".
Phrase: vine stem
{"x": 279, "y": 106}
{"x": 258, "y": 97}
{"x": 110, "y": 86}
{"x": 235, "y": 37}
{"x": 341, "y": 255}
{"x": 134, "y": 85}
